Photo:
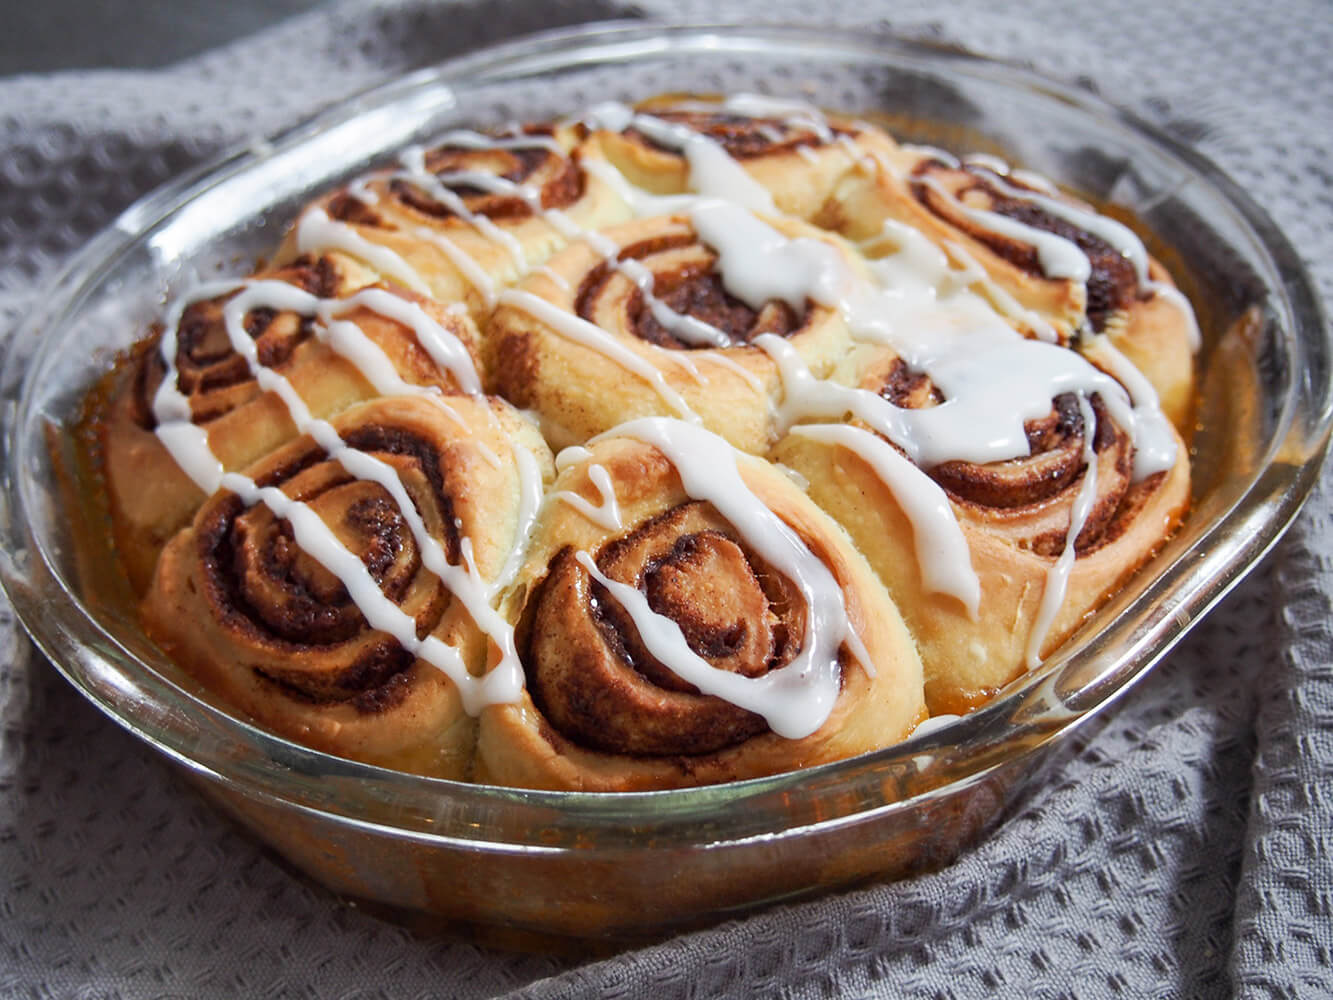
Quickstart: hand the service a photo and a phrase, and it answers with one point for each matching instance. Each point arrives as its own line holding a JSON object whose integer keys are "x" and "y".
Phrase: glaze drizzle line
{"x": 795, "y": 699}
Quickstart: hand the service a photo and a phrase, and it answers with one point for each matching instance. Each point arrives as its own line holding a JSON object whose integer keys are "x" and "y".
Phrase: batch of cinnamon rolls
{"x": 653, "y": 447}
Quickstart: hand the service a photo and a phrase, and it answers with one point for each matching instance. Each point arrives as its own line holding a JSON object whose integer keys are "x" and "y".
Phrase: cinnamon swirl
{"x": 665, "y": 563}
{"x": 306, "y": 322}
{"x": 1041, "y": 538}
{"x": 795, "y": 156}
{"x": 262, "y": 610}
{"x": 463, "y": 219}
{"x": 641, "y": 321}
{"x": 1051, "y": 263}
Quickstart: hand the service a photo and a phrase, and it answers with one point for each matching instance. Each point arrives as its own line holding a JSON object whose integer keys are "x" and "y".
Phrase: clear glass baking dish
{"x": 531, "y": 867}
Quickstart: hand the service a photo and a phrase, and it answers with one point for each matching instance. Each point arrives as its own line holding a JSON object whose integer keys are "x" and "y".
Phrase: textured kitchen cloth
{"x": 1183, "y": 851}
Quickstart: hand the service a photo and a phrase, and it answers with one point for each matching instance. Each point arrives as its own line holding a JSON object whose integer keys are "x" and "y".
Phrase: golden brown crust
{"x": 428, "y": 229}
{"x": 1145, "y": 321}
{"x": 800, "y": 165}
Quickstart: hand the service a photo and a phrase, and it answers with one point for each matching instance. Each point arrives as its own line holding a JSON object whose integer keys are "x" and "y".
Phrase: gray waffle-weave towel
{"x": 1183, "y": 852}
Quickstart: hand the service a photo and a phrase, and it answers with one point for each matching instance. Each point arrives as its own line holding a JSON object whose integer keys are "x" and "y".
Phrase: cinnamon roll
{"x": 255, "y": 598}
{"x": 995, "y": 563}
{"x": 463, "y": 219}
{"x": 310, "y": 322}
{"x": 643, "y": 321}
{"x": 794, "y": 155}
{"x": 682, "y": 614}
{"x": 1055, "y": 266}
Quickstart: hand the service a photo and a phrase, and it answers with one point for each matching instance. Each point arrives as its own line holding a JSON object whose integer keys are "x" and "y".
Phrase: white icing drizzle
{"x": 795, "y": 699}
{"x": 794, "y": 270}
{"x": 317, "y": 540}
{"x": 491, "y": 184}
{"x": 684, "y": 325}
{"x": 973, "y": 275}
{"x": 322, "y": 232}
{"x": 556, "y": 278}
{"x": 612, "y": 116}
{"x": 579, "y": 330}
{"x": 1058, "y": 257}
{"x": 642, "y": 203}
{"x": 342, "y": 336}
{"x": 470, "y": 139}
{"x": 414, "y": 171}
{"x": 361, "y": 190}
{"x": 1182, "y": 304}
{"x": 530, "y": 492}
{"x": 350, "y": 341}
{"x": 807, "y": 397}
{"x": 1057, "y": 577}
{"x": 1155, "y": 447}
{"x": 915, "y": 258}
{"x": 1115, "y": 234}
{"x": 685, "y": 328}
{"x": 607, "y": 513}
{"x": 758, "y": 264}
{"x": 861, "y": 160}
{"x": 932, "y": 153}
{"x": 942, "y": 554}
{"x": 317, "y": 233}
{"x": 571, "y": 455}
{"x": 795, "y": 114}
{"x": 936, "y": 530}
{"x": 934, "y": 723}
{"x": 169, "y": 404}
{"x": 188, "y": 445}
{"x": 472, "y": 272}
{"x": 743, "y": 373}
{"x": 445, "y": 349}
{"x": 712, "y": 170}
{"x": 1034, "y": 180}
{"x": 960, "y": 348}
{"x": 987, "y": 161}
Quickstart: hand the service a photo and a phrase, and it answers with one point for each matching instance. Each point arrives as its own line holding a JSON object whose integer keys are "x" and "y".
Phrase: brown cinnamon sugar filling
{"x": 1113, "y": 283}
{"x": 265, "y": 586}
{"x": 1029, "y": 497}
{"x": 742, "y": 136}
{"x": 593, "y": 678}
{"x": 685, "y": 280}
{"x": 559, "y": 179}
{"x": 209, "y": 371}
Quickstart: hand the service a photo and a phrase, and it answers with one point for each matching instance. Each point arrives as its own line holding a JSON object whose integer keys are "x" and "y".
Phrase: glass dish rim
{"x": 1305, "y": 413}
